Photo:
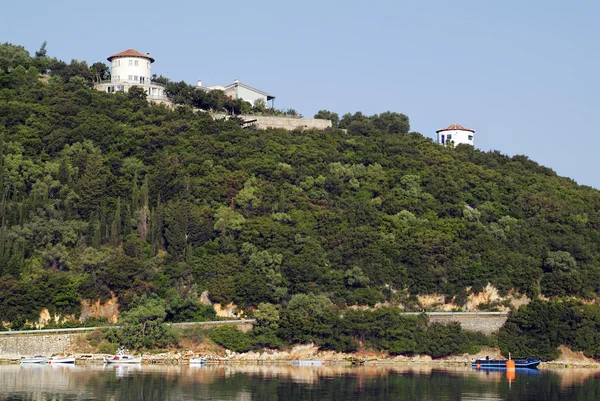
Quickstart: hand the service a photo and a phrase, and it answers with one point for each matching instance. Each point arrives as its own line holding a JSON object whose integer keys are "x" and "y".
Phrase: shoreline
{"x": 384, "y": 362}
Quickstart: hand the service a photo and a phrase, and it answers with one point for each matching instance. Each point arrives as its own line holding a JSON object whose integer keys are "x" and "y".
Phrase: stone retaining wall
{"x": 485, "y": 324}
{"x": 15, "y": 347}
{"x": 287, "y": 123}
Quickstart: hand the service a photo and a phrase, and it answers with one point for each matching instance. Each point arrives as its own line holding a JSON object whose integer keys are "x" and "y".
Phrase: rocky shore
{"x": 310, "y": 352}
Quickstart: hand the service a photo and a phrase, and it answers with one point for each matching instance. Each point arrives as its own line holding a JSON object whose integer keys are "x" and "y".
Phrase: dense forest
{"x": 106, "y": 194}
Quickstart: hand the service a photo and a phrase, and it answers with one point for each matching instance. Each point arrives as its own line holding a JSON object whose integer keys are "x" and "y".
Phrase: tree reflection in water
{"x": 282, "y": 382}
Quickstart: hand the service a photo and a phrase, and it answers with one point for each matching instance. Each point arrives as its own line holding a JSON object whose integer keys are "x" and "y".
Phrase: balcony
{"x": 131, "y": 82}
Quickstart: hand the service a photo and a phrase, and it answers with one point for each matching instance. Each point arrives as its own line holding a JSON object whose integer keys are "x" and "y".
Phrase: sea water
{"x": 286, "y": 382}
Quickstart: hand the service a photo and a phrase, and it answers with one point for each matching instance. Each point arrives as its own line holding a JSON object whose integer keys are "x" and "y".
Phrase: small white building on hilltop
{"x": 132, "y": 68}
{"x": 455, "y": 134}
{"x": 238, "y": 90}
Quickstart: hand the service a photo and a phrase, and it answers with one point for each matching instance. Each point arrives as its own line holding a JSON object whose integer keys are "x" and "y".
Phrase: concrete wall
{"x": 487, "y": 324}
{"x": 15, "y": 347}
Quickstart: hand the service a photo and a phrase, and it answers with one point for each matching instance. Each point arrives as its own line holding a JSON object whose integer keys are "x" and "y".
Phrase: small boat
{"x": 61, "y": 359}
{"x": 34, "y": 359}
{"x": 122, "y": 357}
{"x": 519, "y": 363}
{"x": 196, "y": 361}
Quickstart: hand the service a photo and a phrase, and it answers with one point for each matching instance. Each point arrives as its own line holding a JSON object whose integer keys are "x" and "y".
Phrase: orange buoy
{"x": 510, "y": 374}
{"x": 510, "y": 364}
{"x": 478, "y": 366}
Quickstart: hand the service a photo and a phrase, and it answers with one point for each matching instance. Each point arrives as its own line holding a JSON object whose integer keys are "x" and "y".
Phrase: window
{"x": 131, "y": 77}
{"x": 470, "y": 137}
{"x": 449, "y": 137}
{"x": 120, "y": 88}
{"x": 136, "y": 63}
{"x": 148, "y": 64}
{"x": 130, "y": 63}
{"x": 110, "y": 89}
{"x": 118, "y": 63}
{"x": 141, "y": 80}
{"x": 135, "y": 78}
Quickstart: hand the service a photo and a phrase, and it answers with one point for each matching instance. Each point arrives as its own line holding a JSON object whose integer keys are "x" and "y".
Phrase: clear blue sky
{"x": 523, "y": 74}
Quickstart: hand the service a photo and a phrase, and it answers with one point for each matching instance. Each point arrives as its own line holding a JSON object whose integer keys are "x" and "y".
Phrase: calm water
{"x": 264, "y": 382}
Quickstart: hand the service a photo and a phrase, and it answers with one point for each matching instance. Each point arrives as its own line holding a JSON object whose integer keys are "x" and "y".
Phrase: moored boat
{"x": 519, "y": 363}
{"x": 122, "y": 357}
{"x": 34, "y": 359}
{"x": 196, "y": 361}
{"x": 61, "y": 359}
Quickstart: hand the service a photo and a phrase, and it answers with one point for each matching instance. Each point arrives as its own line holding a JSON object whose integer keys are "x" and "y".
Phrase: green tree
{"x": 328, "y": 115}
{"x": 137, "y": 93}
{"x": 91, "y": 185}
{"x": 12, "y": 56}
{"x": 143, "y": 326}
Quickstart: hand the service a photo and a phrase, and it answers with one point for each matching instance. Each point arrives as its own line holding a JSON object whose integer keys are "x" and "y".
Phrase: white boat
{"x": 196, "y": 361}
{"x": 34, "y": 359}
{"x": 61, "y": 359}
{"x": 122, "y": 357}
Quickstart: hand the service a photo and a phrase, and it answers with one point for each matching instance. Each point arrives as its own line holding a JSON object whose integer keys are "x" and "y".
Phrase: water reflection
{"x": 285, "y": 382}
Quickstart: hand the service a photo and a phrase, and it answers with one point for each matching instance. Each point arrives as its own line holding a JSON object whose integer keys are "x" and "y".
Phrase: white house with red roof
{"x": 133, "y": 68}
{"x": 455, "y": 134}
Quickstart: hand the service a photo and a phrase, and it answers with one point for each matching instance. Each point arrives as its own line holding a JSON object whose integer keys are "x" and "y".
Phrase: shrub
{"x": 106, "y": 347}
{"x": 231, "y": 338}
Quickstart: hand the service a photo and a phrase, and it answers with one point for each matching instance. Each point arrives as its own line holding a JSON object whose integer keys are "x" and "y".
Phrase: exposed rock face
{"x": 46, "y": 318}
{"x": 489, "y": 295}
{"x": 229, "y": 310}
{"x": 109, "y": 309}
{"x": 204, "y": 299}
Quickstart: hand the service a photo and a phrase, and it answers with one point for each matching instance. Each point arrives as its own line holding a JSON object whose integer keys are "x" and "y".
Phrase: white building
{"x": 455, "y": 134}
{"x": 132, "y": 68}
{"x": 238, "y": 90}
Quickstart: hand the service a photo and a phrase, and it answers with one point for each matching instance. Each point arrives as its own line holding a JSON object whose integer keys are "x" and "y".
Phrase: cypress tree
{"x": 91, "y": 186}
{"x": 115, "y": 229}
{"x": 97, "y": 237}
{"x": 143, "y": 212}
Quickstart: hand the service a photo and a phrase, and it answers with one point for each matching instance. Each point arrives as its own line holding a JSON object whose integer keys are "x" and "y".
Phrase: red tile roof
{"x": 455, "y": 127}
{"x": 131, "y": 53}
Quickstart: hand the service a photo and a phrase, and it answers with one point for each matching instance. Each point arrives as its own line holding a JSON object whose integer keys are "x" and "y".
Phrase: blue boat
{"x": 520, "y": 363}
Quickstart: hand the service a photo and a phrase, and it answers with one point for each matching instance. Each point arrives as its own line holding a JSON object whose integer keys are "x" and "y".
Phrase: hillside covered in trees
{"x": 104, "y": 194}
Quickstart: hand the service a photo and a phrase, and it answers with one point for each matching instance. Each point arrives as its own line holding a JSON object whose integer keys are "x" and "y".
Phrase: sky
{"x": 522, "y": 74}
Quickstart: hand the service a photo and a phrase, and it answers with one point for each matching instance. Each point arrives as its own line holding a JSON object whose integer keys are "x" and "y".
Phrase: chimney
{"x": 236, "y": 81}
